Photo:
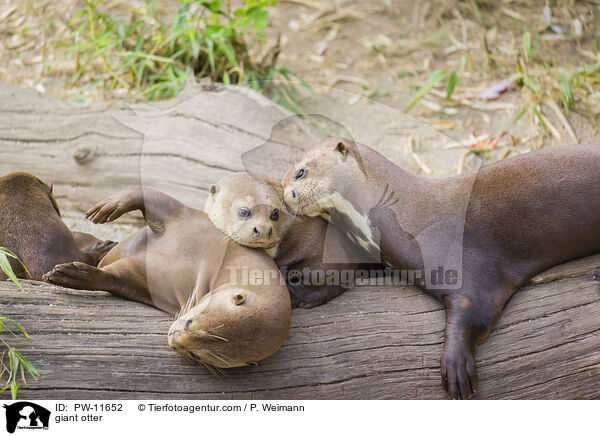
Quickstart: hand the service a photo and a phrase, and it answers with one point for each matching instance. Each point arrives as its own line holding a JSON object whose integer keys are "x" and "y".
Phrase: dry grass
{"x": 384, "y": 50}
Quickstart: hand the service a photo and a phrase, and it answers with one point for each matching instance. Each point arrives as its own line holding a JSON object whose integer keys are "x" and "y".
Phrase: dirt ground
{"x": 365, "y": 59}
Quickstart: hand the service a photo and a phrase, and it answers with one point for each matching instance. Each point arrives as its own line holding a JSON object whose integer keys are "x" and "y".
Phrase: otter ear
{"x": 342, "y": 148}
{"x": 213, "y": 189}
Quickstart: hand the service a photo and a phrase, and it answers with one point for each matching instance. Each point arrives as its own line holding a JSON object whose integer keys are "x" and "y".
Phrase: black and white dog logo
{"x": 26, "y": 415}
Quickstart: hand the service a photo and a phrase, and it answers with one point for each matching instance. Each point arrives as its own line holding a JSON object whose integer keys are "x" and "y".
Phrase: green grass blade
{"x": 566, "y": 93}
{"x": 520, "y": 114}
{"x": 435, "y": 77}
{"x": 527, "y": 47}
{"x": 538, "y": 115}
{"x": 452, "y": 82}
{"x": 532, "y": 85}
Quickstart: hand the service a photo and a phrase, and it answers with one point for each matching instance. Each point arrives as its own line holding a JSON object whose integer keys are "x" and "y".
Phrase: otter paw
{"x": 76, "y": 275}
{"x": 459, "y": 375}
{"x": 102, "y": 248}
{"x": 316, "y": 297}
{"x": 104, "y": 245}
{"x": 105, "y": 211}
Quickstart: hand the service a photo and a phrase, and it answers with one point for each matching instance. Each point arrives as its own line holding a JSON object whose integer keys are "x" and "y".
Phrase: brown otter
{"x": 234, "y": 308}
{"x": 497, "y": 227}
{"x": 317, "y": 261}
{"x": 31, "y": 227}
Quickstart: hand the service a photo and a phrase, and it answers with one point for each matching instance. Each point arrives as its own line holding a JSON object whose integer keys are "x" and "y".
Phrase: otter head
{"x": 233, "y": 327}
{"x": 248, "y": 208}
{"x": 25, "y": 182}
{"x": 326, "y": 170}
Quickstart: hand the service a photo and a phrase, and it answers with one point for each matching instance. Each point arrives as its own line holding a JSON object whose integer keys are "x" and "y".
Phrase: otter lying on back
{"x": 31, "y": 227}
{"x": 182, "y": 264}
{"x": 317, "y": 261}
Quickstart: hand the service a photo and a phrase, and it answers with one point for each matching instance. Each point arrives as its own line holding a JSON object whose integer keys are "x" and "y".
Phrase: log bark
{"x": 371, "y": 342}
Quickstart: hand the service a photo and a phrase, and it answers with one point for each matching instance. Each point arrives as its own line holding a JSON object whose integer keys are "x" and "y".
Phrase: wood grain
{"x": 372, "y": 342}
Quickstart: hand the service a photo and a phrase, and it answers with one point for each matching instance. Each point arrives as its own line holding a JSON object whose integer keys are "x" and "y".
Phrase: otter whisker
{"x": 212, "y": 369}
{"x": 202, "y": 334}
{"x": 191, "y": 302}
{"x": 217, "y": 337}
{"x": 214, "y": 354}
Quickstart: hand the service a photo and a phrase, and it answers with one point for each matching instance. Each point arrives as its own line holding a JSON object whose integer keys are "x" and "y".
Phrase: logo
{"x": 26, "y": 415}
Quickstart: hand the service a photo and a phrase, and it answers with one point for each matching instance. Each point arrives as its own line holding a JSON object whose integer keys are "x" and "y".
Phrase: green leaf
{"x": 17, "y": 325}
{"x": 14, "y": 389}
{"x": 516, "y": 77}
{"x": 433, "y": 79}
{"x": 7, "y": 269}
{"x": 28, "y": 366}
{"x": 452, "y": 82}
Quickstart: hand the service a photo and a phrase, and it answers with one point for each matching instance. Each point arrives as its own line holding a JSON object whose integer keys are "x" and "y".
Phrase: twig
{"x": 468, "y": 143}
{"x": 349, "y": 79}
{"x": 514, "y": 15}
{"x": 504, "y": 154}
{"x": 551, "y": 127}
{"x": 588, "y": 54}
{"x": 408, "y": 145}
{"x": 309, "y": 3}
{"x": 331, "y": 35}
{"x": 552, "y": 105}
{"x": 462, "y": 160}
{"x": 421, "y": 164}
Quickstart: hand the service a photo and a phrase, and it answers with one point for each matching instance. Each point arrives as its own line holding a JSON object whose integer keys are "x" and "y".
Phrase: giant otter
{"x": 317, "y": 260}
{"x": 500, "y": 226}
{"x": 181, "y": 263}
{"x": 31, "y": 227}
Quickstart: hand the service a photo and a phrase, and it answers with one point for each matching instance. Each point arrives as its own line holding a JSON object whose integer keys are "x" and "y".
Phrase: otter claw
{"x": 459, "y": 376}
{"x": 76, "y": 275}
{"x": 103, "y": 212}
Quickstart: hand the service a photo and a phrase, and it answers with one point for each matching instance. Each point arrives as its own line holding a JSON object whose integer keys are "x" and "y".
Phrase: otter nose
{"x": 293, "y": 193}
{"x": 270, "y": 232}
{"x": 255, "y": 231}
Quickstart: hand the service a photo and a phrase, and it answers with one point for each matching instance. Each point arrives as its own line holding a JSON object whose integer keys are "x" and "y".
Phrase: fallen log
{"x": 371, "y": 342}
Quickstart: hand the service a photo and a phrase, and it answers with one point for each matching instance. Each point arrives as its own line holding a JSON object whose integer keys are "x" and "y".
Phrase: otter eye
{"x": 274, "y": 215}
{"x": 301, "y": 173}
{"x": 194, "y": 356}
{"x": 244, "y": 212}
{"x": 238, "y": 299}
